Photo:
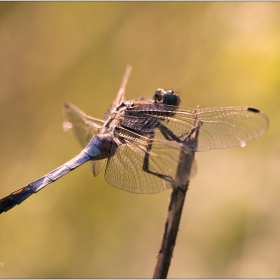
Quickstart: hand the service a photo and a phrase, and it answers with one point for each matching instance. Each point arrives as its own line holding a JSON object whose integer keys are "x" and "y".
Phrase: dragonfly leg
{"x": 146, "y": 164}
{"x": 168, "y": 134}
{"x": 189, "y": 143}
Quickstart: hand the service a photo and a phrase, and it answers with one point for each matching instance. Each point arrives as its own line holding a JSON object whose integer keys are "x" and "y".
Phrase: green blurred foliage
{"x": 213, "y": 54}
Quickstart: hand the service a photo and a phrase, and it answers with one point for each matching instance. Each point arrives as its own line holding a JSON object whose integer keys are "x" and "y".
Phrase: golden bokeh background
{"x": 211, "y": 53}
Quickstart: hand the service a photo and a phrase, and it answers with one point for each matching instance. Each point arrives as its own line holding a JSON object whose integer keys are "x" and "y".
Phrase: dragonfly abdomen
{"x": 98, "y": 148}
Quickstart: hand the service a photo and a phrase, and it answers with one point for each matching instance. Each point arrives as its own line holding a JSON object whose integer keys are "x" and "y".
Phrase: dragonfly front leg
{"x": 146, "y": 165}
{"x": 168, "y": 134}
{"x": 184, "y": 138}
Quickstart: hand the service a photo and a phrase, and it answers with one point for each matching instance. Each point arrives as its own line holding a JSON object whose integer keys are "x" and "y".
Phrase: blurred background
{"x": 212, "y": 54}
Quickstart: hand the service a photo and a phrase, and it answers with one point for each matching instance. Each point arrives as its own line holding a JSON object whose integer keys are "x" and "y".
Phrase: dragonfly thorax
{"x": 168, "y": 97}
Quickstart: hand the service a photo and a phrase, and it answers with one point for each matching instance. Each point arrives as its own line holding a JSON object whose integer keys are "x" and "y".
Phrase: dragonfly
{"x": 139, "y": 141}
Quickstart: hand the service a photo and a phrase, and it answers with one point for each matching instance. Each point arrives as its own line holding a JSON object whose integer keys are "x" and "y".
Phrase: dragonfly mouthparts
{"x": 167, "y": 97}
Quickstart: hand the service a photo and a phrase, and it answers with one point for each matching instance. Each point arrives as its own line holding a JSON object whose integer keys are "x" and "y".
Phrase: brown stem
{"x": 176, "y": 206}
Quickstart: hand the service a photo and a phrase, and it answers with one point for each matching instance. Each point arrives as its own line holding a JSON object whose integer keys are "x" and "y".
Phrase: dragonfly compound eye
{"x": 171, "y": 98}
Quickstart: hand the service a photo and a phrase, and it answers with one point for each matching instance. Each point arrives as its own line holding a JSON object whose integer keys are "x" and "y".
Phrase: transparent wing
{"x": 222, "y": 127}
{"x": 120, "y": 96}
{"x": 125, "y": 164}
{"x": 98, "y": 165}
{"x": 84, "y": 127}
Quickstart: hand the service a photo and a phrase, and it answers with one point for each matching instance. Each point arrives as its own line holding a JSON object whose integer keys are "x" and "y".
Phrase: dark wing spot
{"x": 253, "y": 110}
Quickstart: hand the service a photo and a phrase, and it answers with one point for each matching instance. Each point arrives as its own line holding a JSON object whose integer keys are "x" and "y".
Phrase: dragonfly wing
{"x": 227, "y": 127}
{"x": 125, "y": 164}
{"x": 83, "y": 126}
{"x": 97, "y": 166}
{"x": 222, "y": 127}
{"x": 120, "y": 96}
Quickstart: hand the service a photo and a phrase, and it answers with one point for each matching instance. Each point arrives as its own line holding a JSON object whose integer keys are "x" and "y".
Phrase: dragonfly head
{"x": 168, "y": 97}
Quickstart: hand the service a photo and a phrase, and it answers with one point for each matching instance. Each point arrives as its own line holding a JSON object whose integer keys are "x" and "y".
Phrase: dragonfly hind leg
{"x": 170, "y": 136}
{"x": 146, "y": 164}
